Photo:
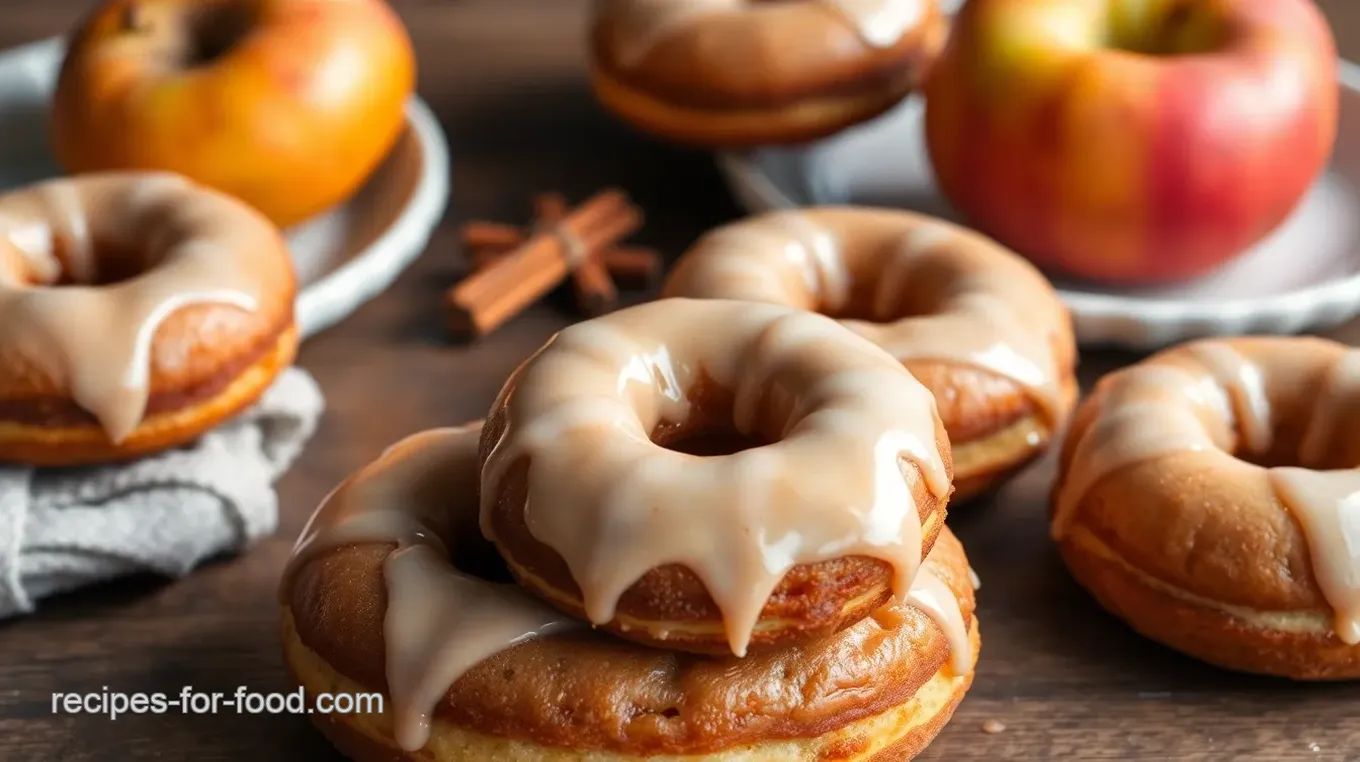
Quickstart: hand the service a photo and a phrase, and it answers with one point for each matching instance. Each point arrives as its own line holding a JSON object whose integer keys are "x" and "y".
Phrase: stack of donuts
{"x": 707, "y": 527}
{"x": 713, "y": 526}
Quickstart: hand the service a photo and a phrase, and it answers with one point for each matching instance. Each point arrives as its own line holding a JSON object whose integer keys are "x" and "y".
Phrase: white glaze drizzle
{"x": 933, "y": 597}
{"x": 1338, "y": 390}
{"x": 881, "y": 23}
{"x": 644, "y": 24}
{"x": 999, "y": 319}
{"x": 1245, "y": 383}
{"x": 1154, "y": 410}
{"x": 439, "y": 622}
{"x": 70, "y": 230}
{"x": 614, "y": 505}
{"x": 814, "y": 251}
{"x": 1327, "y": 507}
{"x": 1191, "y": 413}
{"x": 101, "y": 336}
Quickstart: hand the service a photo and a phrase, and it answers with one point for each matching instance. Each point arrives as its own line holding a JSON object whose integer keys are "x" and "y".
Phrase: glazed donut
{"x": 704, "y": 475}
{"x": 746, "y": 72}
{"x": 1207, "y": 496}
{"x": 976, "y": 324}
{"x": 378, "y": 598}
{"x": 137, "y": 311}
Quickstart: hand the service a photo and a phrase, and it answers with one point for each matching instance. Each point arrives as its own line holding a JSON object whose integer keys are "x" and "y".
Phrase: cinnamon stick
{"x": 632, "y": 264}
{"x": 489, "y": 297}
{"x": 595, "y": 291}
{"x": 485, "y": 257}
{"x": 549, "y": 209}
{"x": 611, "y": 229}
{"x": 497, "y": 293}
{"x": 483, "y": 235}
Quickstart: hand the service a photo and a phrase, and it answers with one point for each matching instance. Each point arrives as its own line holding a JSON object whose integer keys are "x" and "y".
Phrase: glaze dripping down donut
{"x": 1260, "y": 551}
{"x": 848, "y": 469}
{"x": 439, "y": 621}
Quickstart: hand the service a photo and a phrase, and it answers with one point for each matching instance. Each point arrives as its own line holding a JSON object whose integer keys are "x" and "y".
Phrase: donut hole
{"x": 1278, "y": 457}
{"x": 479, "y": 559}
{"x": 860, "y": 306}
{"x": 1286, "y": 449}
{"x": 1163, "y": 27}
{"x": 215, "y": 28}
{"x": 1293, "y": 416}
{"x": 710, "y": 431}
{"x": 472, "y": 554}
{"x": 103, "y": 266}
{"x": 709, "y": 444}
{"x": 925, "y": 290}
{"x": 111, "y": 265}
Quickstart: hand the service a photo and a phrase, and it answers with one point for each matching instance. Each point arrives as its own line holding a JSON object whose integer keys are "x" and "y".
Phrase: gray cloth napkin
{"x": 66, "y": 528}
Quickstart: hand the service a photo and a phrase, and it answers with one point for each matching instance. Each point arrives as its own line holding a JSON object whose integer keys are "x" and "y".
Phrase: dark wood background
{"x": 506, "y": 77}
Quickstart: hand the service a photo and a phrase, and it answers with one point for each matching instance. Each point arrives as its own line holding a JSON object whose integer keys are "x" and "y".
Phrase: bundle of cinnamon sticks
{"x": 516, "y": 269}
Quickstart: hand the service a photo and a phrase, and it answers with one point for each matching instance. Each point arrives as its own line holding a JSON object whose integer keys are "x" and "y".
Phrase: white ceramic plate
{"x": 1304, "y": 277}
{"x": 343, "y": 258}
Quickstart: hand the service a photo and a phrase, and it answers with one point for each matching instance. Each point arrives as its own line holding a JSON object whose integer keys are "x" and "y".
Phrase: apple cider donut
{"x": 380, "y": 596}
{"x": 976, "y": 324}
{"x": 745, "y": 72}
{"x": 1207, "y": 496}
{"x": 705, "y": 475}
{"x": 137, "y": 311}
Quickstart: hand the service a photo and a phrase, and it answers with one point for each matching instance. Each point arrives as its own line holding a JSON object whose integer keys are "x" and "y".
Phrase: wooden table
{"x": 507, "y": 80}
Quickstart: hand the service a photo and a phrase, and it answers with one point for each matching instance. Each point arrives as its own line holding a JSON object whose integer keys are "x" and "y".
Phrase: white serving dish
{"x": 343, "y": 258}
{"x": 1304, "y": 277}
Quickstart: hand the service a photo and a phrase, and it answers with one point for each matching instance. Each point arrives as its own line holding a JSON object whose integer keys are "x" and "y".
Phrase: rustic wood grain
{"x": 507, "y": 80}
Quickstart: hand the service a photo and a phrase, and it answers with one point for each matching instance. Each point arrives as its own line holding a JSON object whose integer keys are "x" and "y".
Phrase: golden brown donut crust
{"x": 1226, "y": 638}
{"x": 756, "y": 91}
{"x": 359, "y": 746}
{"x": 1196, "y": 550}
{"x": 57, "y": 433}
{"x": 669, "y": 606}
{"x": 995, "y": 428}
{"x": 583, "y": 691}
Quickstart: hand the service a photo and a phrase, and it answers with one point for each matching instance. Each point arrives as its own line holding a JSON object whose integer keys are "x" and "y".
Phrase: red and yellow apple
{"x": 287, "y": 104}
{"x": 1132, "y": 141}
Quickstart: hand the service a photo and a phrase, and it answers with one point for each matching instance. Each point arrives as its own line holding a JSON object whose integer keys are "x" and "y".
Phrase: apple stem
{"x": 134, "y": 18}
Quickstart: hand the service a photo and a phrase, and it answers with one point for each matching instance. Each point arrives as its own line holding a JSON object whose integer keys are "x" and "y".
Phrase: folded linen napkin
{"x": 66, "y": 528}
